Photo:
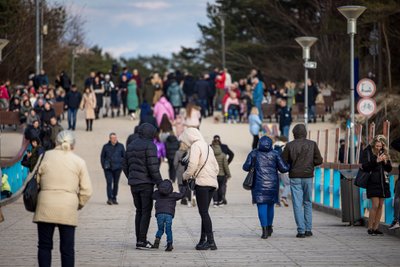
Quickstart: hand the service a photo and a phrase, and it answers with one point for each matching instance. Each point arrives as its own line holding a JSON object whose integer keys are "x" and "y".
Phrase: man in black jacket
{"x": 141, "y": 167}
{"x": 302, "y": 155}
{"x": 395, "y": 224}
{"x": 225, "y": 149}
{"x": 112, "y": 156}
{"x": 203, "y": 90}
{"x": 72, "y": 103}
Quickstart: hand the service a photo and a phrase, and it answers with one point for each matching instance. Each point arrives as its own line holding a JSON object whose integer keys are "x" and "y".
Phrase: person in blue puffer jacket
{"x": 265, "y": 192}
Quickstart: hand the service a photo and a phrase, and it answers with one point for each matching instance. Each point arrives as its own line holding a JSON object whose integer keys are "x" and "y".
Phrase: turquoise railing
{"x": 17, "y": 175}
{"x": 327, "y": 190}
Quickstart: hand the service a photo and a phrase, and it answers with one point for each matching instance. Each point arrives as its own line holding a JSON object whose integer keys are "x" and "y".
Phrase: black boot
{"x": 211, "y": 242}
{"x": 169, "y": 247}
{"x": 264, "y": 232}
{"x": 202, "y": 241}
{"x": 90, "y": 125}
{"x": 156, "y": 243}
{"x": 87, "y": 125}
{"x": 270, "y": 231}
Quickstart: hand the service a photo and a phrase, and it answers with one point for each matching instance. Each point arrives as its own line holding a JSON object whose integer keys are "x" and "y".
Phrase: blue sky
{"x": 146, "y": 27}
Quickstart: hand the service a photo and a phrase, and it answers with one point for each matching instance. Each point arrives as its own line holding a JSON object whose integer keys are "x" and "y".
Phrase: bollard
{"x": 327, "y": 183}
{"x": 317, "y": 185}
{"x": 389, "y": 212}
{"x": 1, "y": 216}
{"x": 336, "y": 189}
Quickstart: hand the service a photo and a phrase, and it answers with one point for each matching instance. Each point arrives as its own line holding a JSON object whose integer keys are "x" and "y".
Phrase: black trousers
{"x": 171, "y": 170}
{"x": 142, "y": 198}
{"x": 255, "y": 141}
{"x": 219, "y": 194}
{"x": 204, "y": 195}
{"x": 45, "y": 244}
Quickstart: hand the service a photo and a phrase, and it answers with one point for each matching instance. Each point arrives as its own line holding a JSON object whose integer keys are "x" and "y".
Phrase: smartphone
{"x": 381, "y": 152}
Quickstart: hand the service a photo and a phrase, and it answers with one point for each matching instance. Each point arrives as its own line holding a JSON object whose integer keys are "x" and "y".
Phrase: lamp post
{"x": 352, "y": 13}
{"x": 306, "y": 42}
{"x": 74, "y": 54}
{"x": 37, "y": 9}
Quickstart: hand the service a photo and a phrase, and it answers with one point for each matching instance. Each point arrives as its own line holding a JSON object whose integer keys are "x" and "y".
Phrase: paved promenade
{"x": 105, "y": 235}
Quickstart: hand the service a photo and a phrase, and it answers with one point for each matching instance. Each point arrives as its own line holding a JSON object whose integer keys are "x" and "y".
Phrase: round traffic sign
{"x": 366, "y": 106}
{"x": 366, "y": 88}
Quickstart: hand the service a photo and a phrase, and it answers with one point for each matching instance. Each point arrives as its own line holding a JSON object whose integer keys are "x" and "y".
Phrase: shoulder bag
{"x": 192, "y": 180}
{"x": 31, "y": 191}
{"x": 362, "y": 176}
{"x": 249, "y": 180}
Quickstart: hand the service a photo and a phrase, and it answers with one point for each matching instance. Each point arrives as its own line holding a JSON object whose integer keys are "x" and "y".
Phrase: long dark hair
{"x": 165, "y": 124}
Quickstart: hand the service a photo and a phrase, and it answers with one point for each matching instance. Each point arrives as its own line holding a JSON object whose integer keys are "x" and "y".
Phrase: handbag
{"x": 192, "y": 179}
{"x": 249, "y": 180}
{"x": 362, "y": 176}
{"x": 31, "y": 191}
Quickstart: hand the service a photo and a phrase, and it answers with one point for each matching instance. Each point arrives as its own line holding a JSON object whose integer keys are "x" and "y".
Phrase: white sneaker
{"x": 395, "y": 226}
{"x": 194, "y": 201}
{"x": 215, "y": 205}
{"x": 189, "y": 204}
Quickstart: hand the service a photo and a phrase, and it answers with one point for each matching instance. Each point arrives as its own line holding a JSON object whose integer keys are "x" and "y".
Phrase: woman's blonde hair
{"x": 254, "y": 110}
{"x": 66, "y": 140}
{"x": 381, "y": 139}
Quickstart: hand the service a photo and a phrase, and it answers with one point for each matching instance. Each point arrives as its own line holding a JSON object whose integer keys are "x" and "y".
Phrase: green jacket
{"x": 222, "y": 161}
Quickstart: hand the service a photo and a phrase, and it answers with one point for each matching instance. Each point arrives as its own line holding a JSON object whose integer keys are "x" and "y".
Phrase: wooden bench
{"x": 9, "y": 118}
{"x": 269, "y": 110}
{"x": 58, "y": 108}
{"x": 298, "y": 110}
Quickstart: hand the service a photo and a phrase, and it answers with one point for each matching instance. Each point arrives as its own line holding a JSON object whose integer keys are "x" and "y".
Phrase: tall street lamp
{"x": 306, "y": 42}
{"x": 352, "y": 13}
{"x": 37, "y": 9}
{"x": 222, "y": 18}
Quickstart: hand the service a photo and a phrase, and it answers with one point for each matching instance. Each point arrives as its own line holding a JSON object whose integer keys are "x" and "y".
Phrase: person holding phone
{"x": 375, "y": 159}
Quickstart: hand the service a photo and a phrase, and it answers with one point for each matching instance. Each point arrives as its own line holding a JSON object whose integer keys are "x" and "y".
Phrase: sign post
{"x": 366, "y": 106}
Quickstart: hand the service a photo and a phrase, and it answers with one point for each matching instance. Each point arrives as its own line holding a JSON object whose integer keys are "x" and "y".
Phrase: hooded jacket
{"x": 267, "y": 162}
{"x": 301, "y": 154}
{"x": 166, "y": 199}
{"x": 197, "y": 157}
{"x": 171, "y": 146}
{"x": 222, "y": 161}
{"x": 163, "y": 107}
{"x": 141, "y": 165}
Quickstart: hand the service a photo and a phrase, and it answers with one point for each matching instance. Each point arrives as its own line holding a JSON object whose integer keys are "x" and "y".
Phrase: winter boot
{"x": 202, "y": 241}
{"x": 90, "y": 125}
{"x": 169, "y": 247}
{"x": 87, "y": 125}
{"x": 211, "y": 242}
{"x": 264, "y": 232}
{"x": 270, "y": 231}
{"x": 156, "y": 243}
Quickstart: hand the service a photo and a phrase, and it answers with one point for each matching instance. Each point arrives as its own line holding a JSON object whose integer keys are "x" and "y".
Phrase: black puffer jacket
{"x": 166, "y": 199}
{"x": 141, "y": 164}
{"x": 171, "y": 146}
{"x": 377, "y": 185}
{"x": 301, "y": 154}
{"x": 114, "y": 154}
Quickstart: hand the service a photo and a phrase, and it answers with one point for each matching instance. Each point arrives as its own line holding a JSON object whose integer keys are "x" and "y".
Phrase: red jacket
{"x": 220, "y": 81}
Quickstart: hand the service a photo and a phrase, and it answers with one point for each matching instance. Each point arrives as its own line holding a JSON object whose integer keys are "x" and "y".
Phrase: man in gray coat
{"x": 302, "y": 155}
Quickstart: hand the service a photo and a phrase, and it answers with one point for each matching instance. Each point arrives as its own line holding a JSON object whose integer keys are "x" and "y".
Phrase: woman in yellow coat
{"x": 65, "y": 188}
{"x": 88, "y": 104}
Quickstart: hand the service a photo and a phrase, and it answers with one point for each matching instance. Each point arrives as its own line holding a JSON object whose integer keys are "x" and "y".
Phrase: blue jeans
{"x": 285, "y": 131}
{"x": 112, "y": 178}
{"x": 233, "y": 114}
{"x": 204, "y": 107}
{"x": 301, "y": 189}
{"x": 164, "y": 221}
{"x": 266, "y": 214}
{"x": 260, "y": 112}
{"x": 72, "y": 112}
{"x": 67, "y": 242}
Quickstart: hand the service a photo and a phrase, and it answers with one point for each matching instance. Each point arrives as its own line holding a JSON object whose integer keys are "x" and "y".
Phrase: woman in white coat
{"x": 203, "y": 167}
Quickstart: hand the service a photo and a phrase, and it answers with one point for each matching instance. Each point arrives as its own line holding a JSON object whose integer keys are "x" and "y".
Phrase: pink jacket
{"x": 163, "y": 107}
{"x": 4, "y": 93}
{"x": 231, "y": 101}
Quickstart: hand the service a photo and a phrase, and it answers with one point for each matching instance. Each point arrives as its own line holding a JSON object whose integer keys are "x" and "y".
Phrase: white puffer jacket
{"x": 197, "y": 156}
